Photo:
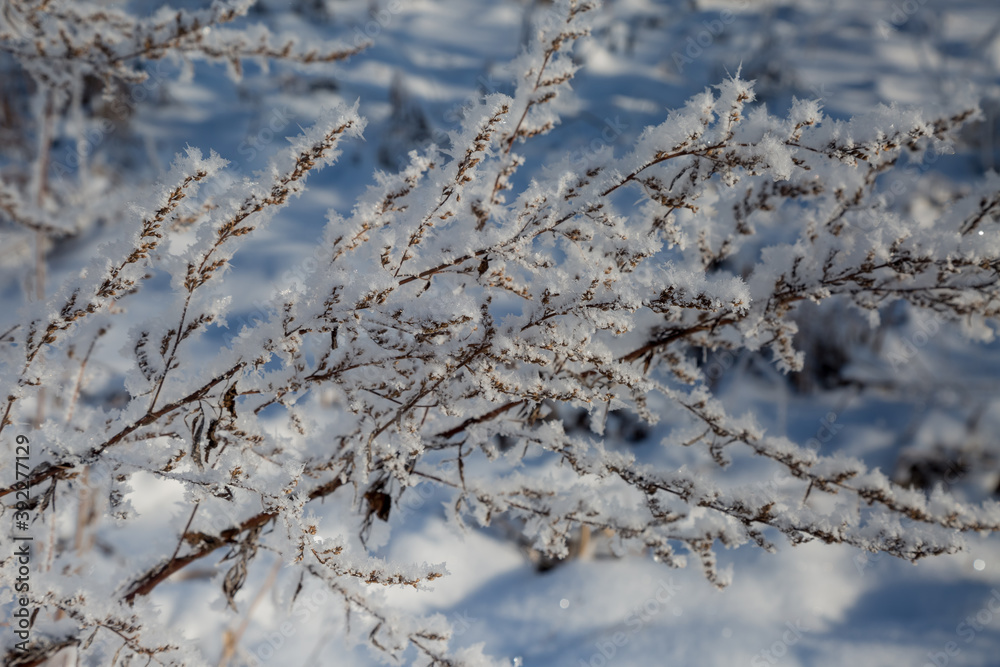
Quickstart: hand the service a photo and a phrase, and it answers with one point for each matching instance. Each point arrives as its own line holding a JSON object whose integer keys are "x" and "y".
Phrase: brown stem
{"x": 58, "y": 470}
{"x": 208, "y": 544}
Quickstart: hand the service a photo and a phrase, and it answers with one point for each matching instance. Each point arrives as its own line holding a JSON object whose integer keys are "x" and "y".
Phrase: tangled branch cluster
{"x": 451, "y": 313}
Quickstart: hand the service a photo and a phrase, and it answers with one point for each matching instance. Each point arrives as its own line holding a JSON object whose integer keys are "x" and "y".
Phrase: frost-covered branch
{"x": 454, "y": 318}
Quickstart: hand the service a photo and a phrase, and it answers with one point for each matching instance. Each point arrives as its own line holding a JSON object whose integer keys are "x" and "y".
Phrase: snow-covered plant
{"x": 86, "y": 67}
{"x": 446, "y": 322}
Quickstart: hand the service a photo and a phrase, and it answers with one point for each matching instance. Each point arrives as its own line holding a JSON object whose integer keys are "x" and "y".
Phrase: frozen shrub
{"x": 453, "y": 310}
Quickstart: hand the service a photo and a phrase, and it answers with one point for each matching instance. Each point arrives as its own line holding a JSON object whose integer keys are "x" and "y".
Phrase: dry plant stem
{"x": 79, "y": 377}
{"x": 84, "y": 513}
{"x": 111, "y": 286}
{"x": 232, "y": 637}
{"x": 46, "y": 471}
{"x": 202, "y": 545}
{"x": 45, "y": 149}
{"x": 234, "y": 228}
